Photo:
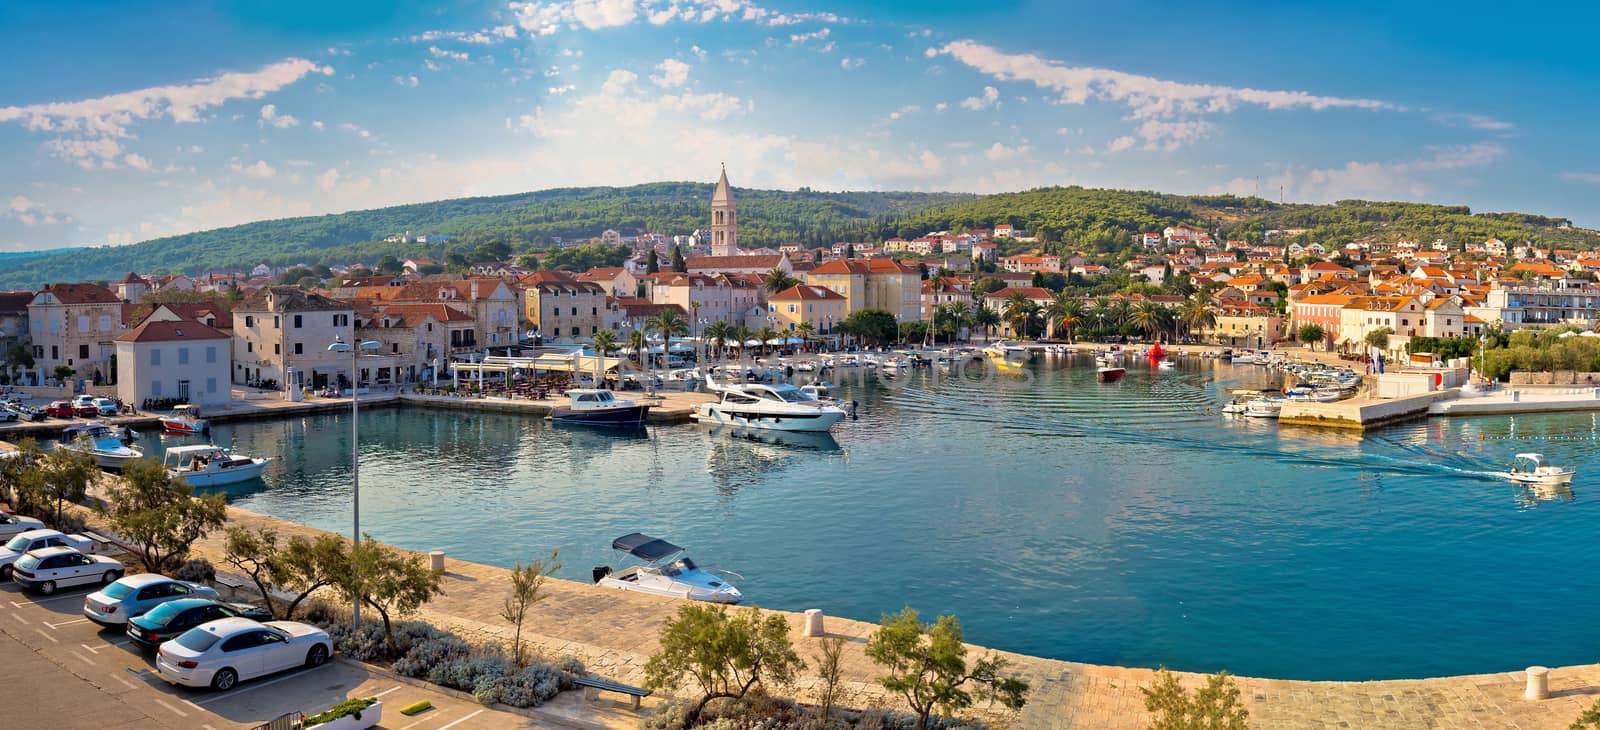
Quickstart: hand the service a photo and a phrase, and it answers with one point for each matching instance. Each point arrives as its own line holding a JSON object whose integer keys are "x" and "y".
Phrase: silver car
{"x": 221, "y": 653}
{"x": 132, "y": 596}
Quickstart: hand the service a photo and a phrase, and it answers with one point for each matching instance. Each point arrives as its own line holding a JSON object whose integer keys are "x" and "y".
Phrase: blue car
{"x": 136, "y": 594}
{"x": 168, "y": 620}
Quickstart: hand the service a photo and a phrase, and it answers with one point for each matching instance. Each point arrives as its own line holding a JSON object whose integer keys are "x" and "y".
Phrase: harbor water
{"x": 1127, "y": 523}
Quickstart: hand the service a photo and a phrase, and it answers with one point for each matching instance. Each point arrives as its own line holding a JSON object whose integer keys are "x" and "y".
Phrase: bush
{"x": 362, "y": 646}
{"x": 427, "y": 653}
{"x": 465, "y": 673}
{"x": 196, "y": 570}
{"x": 669, "y": 716}
{"x": 537, "y": 683}
{"x": 352, "y": 706}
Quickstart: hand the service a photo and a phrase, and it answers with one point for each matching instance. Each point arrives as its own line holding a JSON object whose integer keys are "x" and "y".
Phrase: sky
{"x": 121, "y": 122}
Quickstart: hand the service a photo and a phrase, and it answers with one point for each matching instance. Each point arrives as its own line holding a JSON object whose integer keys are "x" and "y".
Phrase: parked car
{"x": 60, "y": 409}
{"x": 172, "y": 618}
{"x": 7, "y": 415}
{"x": 11, "y": 525}
{"x": 46, "y": 570}
{"x": 105, "y": 406}
{"x": 24, "y": 542}
{"x": 134, "y": 595}
{"x": 221, "y": 653}
{"x": 83, "y": 407}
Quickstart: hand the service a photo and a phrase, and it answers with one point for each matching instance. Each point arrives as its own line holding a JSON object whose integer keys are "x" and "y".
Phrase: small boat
{"x": 1531, "y": 469}
{"x": 100, "y": 441}
{"x": 1009, "y": 352}
{"x": 1311, "y": 395}
{"x": 185, "y": 419}
{"x": 1166, "y": 365}
{"x": 598, "y": 407}
{"x": 779, "y": 407}
{"x": 1110, "y": 374}
{"x": 211, "y": 465}
{"x": 666, "y": 571}
{"x": 1263, "y": 408}
{"x": 1235, "y": 407}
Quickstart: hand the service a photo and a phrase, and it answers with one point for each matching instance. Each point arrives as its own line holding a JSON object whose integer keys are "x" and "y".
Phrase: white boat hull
{"x": 230, "y": 475}
{"x": 1559, "y": 479}
{"x": 824, "y": 420}
{"x": 114, "y": 459}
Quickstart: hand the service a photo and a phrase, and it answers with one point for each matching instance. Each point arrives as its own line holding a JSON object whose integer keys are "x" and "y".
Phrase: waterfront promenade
{"x": 613, "y": 632}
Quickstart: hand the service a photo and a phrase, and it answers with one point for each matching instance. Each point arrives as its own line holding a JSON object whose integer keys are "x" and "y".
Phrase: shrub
{"x": 1215, "y": 706}
{"x": 364, "y": 645}
{"x": 196, "y": 570}
{"x": 464, "y": 673}
{"x": 352, "y": 706}
{"x": 669, "y": 716}
{"x": 536, "y": 684}
{"x": 427, "y": 653}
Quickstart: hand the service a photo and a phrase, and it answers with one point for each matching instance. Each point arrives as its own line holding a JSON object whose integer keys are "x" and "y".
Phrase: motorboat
{"x": 779, "y": 407}
{"x": 1166, "y": 365}
{"x": 98, "y": 440}
{"x": 211, "y": 465}
{"x": 1110, "y": 374}
{"x": 599, "y": 407}
{"x": 1531, "y": 469}
{"x": 1311, "y": 395}
{"x": 1235, "y": 407}
{"x": 819, "y": 392}
{"x": 185, "y": 419}
{"x": 665, "y": 571}
{"x": 1009, "y": 351}
{"x": 1263, "y": 407}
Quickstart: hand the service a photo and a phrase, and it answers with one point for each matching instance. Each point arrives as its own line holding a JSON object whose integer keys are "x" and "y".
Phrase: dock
{"x": 1529, "y": 400}
{"x": 669, "y": 407}
{"x": 1360, "y": 414}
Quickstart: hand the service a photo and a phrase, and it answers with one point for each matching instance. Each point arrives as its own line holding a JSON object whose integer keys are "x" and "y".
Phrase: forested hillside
{"x": 1064, "y": 218}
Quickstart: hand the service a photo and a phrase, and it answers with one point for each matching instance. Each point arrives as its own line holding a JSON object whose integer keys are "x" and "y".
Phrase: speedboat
{"x": 665, "y": 571}
{"x": 779, "y": 407}
{"x": 185, "y": 419}
{"x": 1311, "y": 395}
{"x": 1166, "y": 365}
{"x": 1009, "y": 352}
{"x": 1110, "y": 374}
{"x": 1531, "y": 469}
{"x": 598, "y": 407}
{"x": 211, "y": 465}
{"x": 98, "y": 440}
{"x": 1235, "y": 407}
{"x": 1263, "y": 408}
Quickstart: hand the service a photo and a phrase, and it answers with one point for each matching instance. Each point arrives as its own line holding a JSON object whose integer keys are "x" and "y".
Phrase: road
{"x": 79, "y": 675}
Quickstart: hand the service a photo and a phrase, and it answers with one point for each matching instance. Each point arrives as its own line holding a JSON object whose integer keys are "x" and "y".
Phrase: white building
{"x": 167, "y": 359}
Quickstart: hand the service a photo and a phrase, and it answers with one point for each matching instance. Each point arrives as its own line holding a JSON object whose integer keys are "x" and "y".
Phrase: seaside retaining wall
{"x": 1554, "y": 377}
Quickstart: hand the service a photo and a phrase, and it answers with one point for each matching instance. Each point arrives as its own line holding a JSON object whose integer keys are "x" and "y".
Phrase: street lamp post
{"x": 355, "y": 459}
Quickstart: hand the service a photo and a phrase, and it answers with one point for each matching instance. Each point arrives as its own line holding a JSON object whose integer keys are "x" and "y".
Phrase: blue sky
{"x": 128, "y": 121}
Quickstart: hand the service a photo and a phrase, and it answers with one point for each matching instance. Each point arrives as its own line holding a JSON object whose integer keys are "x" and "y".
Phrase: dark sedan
{"x": 172, "y": 618}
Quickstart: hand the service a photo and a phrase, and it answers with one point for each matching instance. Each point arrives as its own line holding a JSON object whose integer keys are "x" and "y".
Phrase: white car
{"x": 12, "y": 524}
{"x": 221, "y": 653}
{"x": 23, "y": 542}
{"x": 59, "y": 567}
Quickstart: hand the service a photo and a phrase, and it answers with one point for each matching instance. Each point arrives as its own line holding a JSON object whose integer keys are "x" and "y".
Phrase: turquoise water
{"x": 1121, "y": 524}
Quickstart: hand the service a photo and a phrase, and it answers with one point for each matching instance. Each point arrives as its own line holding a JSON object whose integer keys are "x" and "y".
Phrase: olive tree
{"x": 526, "y": 580}
{"x": 18, "y": 482}
{"x": 724, "y": 653}
{"x": 255, "y": 553}
{"x": 305, "y": 565}
{"x": 1311, "y": 334}
{"x": 159, "y": 513}
{"x": 1215, "y": 706}
{"x": 927, "y": 664}
{"x": 392, "y": 583}
{"x": 64, "y": 475}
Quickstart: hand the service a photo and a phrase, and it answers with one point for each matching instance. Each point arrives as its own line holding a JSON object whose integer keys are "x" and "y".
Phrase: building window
{"x": 155, "y": 356}
{"x": 155, "y": 388}
{"x": 249, "y": 346}
{"x": 105, "y": 323}
{"x": 299, "y": 349}
{"x": 249, "y": 321}
{"x": 276, "y": 323}
{"x": 83, "y": 352}
{"x": 211, "y": 385}
{"x": 183, "y": 356}
{"x": 574, "y": 331}
{"x": 211, "y": 354}
{"x": 297, "y": 321}
{"x": 277, "y": 349}
{"x": 83, "y": 323}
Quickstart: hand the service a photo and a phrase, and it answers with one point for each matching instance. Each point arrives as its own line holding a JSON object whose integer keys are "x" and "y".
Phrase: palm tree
{"x": 668, "y": 323}
{"x": 638, "y": 342}
{"x": 778, "y": 280}
{"x": 1150, "y": 316}
{"x": 805, "y": 330}
{"x": 1066, "y": 312}
{"x": 719, "y": 332}
{"x": 604, "y": 342}
{"x": 960, "y": 316}
{"x": 743, "y": 334}
{"x": 1121, "y": 310}
{"x": 1020, "y": 310}
{"x": 1197, "y": 315}
{"x": 1101, "y": 312}
{"x": 987, "y": 319}
{"x": 766, "y": 335}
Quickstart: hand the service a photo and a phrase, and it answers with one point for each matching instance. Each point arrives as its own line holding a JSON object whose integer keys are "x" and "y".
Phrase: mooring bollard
{"x": 1538, "y": 684}
{"x": 436, "y": 560}
{"x": 814, "y": 622}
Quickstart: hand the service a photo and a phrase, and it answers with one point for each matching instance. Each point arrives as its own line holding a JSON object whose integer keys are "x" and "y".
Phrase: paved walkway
{"x": 613, "y": 632}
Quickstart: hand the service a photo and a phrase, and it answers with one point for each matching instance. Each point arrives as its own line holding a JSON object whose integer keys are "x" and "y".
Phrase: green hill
{"x": 1065, "y": 218}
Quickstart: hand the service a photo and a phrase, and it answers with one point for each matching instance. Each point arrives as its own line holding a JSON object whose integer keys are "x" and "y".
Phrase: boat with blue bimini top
{"x": 99, "y": 441}
{"x": 597, "y": 407}
{"x": 665, "y": 571}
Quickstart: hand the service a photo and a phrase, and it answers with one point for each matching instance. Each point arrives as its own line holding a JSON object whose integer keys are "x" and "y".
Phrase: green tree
{"x": 725, "y": 653}
{"x": 639, "y": 343}
{"x": 1020, "y": 311}
{"x": 390, "y": 265}
{"x": 254, "y": 552}
{"x": 987, "y": 319}
{"x": 1379, "y": 337}
{"x": 985, "y": 286}
{"x": 64, "y": 475}
{"x": 718, "y": 333}
{"x": 1311, "y": 334}
{"x": 526, "y": 580}
{"x": 392, "y": 583}
{"x": 306, "y": 565}
{"x": 1216, "y": 706}
{"x": 1197, "y": 315}
{"x": 19, "y": 484}
{"x": 1149, "y": 316}
{"x": 62, "y": 372}
{"x": 875, "y": 325}
{"x": 652, "y": 263}
{"x": 605, "y": 341}
{"x": 927, "y": 665}
{"x": 778, "y": 280}
{"x": 678, "y": 262}
{"x": 766, "y": 335}
{"x": 158, "y": 514}
{"x": 1065, "y": 313}
{"x": 667, "y": 323}
{"x": 18, "y": 358}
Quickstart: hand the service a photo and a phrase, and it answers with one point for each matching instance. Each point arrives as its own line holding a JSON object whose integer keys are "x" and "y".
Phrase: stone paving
{"x": 613, "y": 632}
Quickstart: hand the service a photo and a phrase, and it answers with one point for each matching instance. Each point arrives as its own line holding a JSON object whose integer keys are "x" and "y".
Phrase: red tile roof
{"x": 81, "y": 293}
{"x": 804, "y": 292}
{"x": 168, "y": 331}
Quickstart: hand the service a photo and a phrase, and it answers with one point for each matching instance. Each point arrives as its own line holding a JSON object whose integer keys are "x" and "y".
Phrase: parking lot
{"x": 76, "y": 674}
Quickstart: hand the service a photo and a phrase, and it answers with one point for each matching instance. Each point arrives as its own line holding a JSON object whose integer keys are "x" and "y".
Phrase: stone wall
{"x": 1556, "y": 377}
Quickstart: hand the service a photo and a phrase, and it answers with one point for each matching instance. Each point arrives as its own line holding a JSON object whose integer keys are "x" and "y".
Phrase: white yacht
{"x": 1009, "y": 352}
{"x": 665, "y": 571}
{"x": 1263, "y": 407}
{"x": 779, "y": 407}
{"x": 98, "y": 440}
{"x": 1531, "y": 469}
{"x": 211, "y": 465}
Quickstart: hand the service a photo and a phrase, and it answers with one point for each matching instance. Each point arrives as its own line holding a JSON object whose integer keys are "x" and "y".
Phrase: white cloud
{"x": 1582, "y": 177}
{"x": 546, "y": 18}
{"x": 353, "y": 129}
{"x": 1168, "y": 136}
{"x": 904, "y": 112}
{"x": 485, "y": 37}
{"x": 327, "y": 180}
{"x": 559, "y": 90}
{"x": 408, "y": 81}
{"x": 673, "y": 73}
{"x": 941, "y": 106}
{"x": 990, "y": 97}
{"x": 270, "y": 116}
{"x": 259, "y": 171}
{"x": 818, "y": 35}
{"x": 1472, "y": 121}
{"x": 317, "y": 125}
{"x": 1121, "y": 143}
{"x": 110, "y": 116}
{"x": 137, "y": 162}
{"x": 438, "y": 52}
{"x": 87, "y": 153}
{"x": 998, "y": 152}
{"x": 1405, "y": 179}
{"x": 848, "y": 63}
{"x": 618, "y": 81}
{"x": 33, "y": 213}
{"x": 1145, "y": 95}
